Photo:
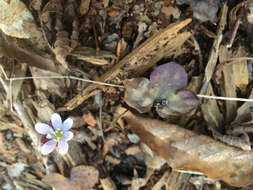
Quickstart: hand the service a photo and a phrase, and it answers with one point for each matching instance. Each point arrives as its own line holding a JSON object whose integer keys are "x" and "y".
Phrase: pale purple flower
{"x": 56, "y": 135}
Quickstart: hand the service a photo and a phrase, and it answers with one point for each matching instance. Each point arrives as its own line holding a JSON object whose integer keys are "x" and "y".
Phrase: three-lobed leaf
{"x": 166, "y": 86}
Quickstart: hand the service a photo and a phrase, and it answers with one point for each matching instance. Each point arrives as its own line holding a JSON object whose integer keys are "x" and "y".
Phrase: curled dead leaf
{"x": 183, "y": 149}
{"x": 89, "y": 119}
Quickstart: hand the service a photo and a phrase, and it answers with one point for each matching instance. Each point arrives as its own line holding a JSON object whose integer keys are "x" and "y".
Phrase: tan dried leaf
{"x": 19, "y": 50}
{"x": 84, "y": 7}
{"x": 82, "y": 178}
{"x": 240, "y": 70}
{"x": 211, "y": 111}
{"x": 57, "y": 181}
{"x": 92, "y": 56}
{"x": 7, "y": 153}
{"x": 53, "y": 86}
{"x": 17, "y": 21}
{"x": 60, "y": 40}
{"x": 229, "y": 88}
{"x": 89, "y": 119}
{"x": 183, "y": 149}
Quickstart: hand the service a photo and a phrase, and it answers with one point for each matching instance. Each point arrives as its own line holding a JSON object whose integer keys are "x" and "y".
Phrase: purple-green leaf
{"x": 139, "y": 94}
{"x": 166, "y": 87}
{"x": 169, "y": 76}
{"x": 183, "y": 102}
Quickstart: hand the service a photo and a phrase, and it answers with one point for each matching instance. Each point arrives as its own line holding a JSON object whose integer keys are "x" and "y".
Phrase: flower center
{"x": 57, "y": 135}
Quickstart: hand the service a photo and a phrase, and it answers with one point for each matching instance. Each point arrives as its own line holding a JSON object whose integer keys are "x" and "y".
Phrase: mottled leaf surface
{"x": 165, "y": 88}
{"x": 183, "y": 102}
{"x": 169, "y": 76}
{"x": 138, "y": 94}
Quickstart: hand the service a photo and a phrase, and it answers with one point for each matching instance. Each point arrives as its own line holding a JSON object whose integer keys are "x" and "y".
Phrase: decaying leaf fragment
{"x": 82, "y": 178}
{"x": 183, "y": 149}
{"x": 229, "y": 88}
{"x": 240, "y": 69}
{"x": 138, "y": 94}
{"x": 52, "y": 19}
{"x": 17, "y": 21}
{"x": 19, "y": 50}
{"x": 90, "y": 55}
{"x": 84, "y": 7}
{"x": 6, "y": 152}
{"x": 203, "y": 10}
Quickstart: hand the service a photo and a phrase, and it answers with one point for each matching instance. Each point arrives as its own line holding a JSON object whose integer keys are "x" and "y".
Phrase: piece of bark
{"x": 186, "y": 150}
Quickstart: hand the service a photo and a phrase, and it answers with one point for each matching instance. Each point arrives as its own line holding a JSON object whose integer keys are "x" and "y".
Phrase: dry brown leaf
{"x": 240, "y": 70}
{"x": 213, "y": 56}
{"x": 82, "y": 178}
{"x": 171, "y": 11}
{"x": 211, "y": 111}
{"x": 177, "y": 181}
{"x": 107, "y": 184}
{"x": 92, "y": 56}
{"x": 7, "y": 153}
{"x": 53, "y": 86}
{"x": 19, "y": 50}
{"x": 229, "y": 88}
{"x": 60, "y": 41}
{"x": 12, "y": 126}
{"x": 111, "y": 140}
{"x": 17, "y": 70}
{"x": 244, "y": 112}
{"x": 57, "y": 181}
{"x": 89, "y": 119}
{"x": 84, "y": 7}
{"x": 17, "y": 21}
{"x": 183, "y": 149}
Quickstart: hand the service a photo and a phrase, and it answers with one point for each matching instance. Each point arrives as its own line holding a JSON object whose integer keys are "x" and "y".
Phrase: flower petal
{"x": 68, "y": 135}
{"x": 42, "y": 128}
{"x": 56, "y": 121}
{"x": 48, "y": 147}
{"x": 49, "y": 136}
{"x": 67, "y": 124}
{"x": 63, "y": 147}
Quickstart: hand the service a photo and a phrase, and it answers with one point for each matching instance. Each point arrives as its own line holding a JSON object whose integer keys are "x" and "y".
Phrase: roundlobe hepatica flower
{"x": 56, "y": 135}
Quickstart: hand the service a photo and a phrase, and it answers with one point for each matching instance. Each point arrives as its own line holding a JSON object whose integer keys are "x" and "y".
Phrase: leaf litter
{"x": 160, "y": 122}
